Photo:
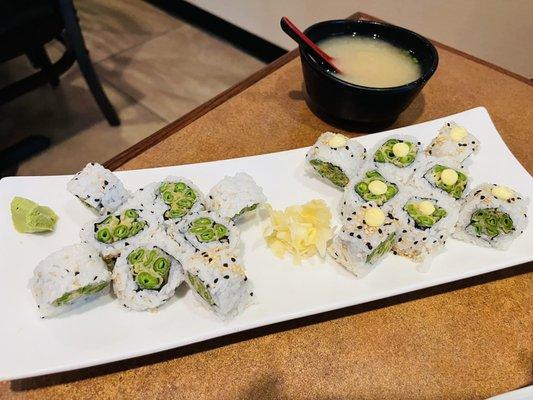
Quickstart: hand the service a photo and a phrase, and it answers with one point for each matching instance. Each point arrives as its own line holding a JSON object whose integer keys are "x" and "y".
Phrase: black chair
{"x": 26, "y": 26}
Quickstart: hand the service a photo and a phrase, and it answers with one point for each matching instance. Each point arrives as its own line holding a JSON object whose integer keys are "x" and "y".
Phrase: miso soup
{"x": 366, "y": 61}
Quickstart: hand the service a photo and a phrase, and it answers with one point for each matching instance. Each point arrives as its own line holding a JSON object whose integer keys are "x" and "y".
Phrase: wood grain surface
{"x": 465, "y": 340}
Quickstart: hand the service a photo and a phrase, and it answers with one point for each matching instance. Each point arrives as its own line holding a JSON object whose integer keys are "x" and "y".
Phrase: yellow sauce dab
{"x": 374, "y": 217}
{"x": 458, "y": 133}
{"x": 426, "y": 207}
{"x": 449, "y": 176}
{"x": 400, "y": 149}
{"x": 502, "y": 192}
{"x": 301, "y": 230}
{"x": 337, "y": 140}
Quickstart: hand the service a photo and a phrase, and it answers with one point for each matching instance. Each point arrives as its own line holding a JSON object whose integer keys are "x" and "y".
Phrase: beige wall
{"x": 499, "y": 31}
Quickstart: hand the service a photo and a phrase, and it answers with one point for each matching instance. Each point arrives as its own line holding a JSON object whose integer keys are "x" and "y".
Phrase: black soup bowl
{"x": 353, "y": 107}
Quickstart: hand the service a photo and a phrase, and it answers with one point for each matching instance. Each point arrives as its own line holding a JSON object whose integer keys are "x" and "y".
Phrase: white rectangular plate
{"x": 103, "y": 331}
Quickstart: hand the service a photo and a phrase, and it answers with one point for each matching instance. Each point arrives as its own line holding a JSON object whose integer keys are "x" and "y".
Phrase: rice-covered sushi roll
{"x": 397, "y": 157}
{"x": 427, "y": 219}
{"x": 145, "y": 276}
{"x": 207, "y": 230}
{"x": 443, "y": 175}
{"x": 235, "y": 195}
{"x": 492, "y": 216}
{"x": 68, "y": 278}
{"x": 218, "y": 280}
{"x": 453, "y": 141}
{"x": 98, "y": 188}
{"x": 110, "y": 234}
{"x": 368, "y": 186}
{"x": 336, "y": 158}
{"x": 367, "y": 235}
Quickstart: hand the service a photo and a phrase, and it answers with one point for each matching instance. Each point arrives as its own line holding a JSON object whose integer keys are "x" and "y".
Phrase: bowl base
{"x": 348, "y": 125}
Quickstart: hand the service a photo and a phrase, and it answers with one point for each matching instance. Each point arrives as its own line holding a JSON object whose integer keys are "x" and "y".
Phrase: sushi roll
{"x": 443, "y": 175}
{"x": 492, "y": 216}
{"x": 397, "y": 157}
{"x": 110, "y": 234}
{"x": 98, "y": 188}
{"x": 68, "y": 278}
{"x": 219, "y": 281}
{"x": 235, "y": 196}
{"x": 207, "y": 230}
{"x": 368, "y": 186}
{"x": 367, "y": 235}
{"x": 427, "y": 219}
{"x": 453, "y": 141}
{"x": 145, "y": 276}
{"x": 336, "y": 158}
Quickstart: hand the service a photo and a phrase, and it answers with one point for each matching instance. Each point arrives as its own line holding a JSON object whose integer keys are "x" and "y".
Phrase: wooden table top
{"x": 467, "y": 339}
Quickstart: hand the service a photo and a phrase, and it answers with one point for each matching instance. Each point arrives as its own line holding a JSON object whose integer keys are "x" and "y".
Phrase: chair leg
{"x": 75, "y": 41}
{"x": 39, "y": 58}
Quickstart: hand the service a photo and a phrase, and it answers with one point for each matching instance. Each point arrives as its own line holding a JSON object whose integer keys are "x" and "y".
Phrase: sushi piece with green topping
{"x": 336, "y": 158}
{"x": 368, "y": 186}
{"x": 112, "y": 233}
{"x": 207, "y": 230}
{"x": 397, "y": 157}
{"x": 492, "y": 216}
{"x": 145, "y": 276}
{"x": 444, "y": 175}
{"x": 427, "y": 219}
{"x": 69, "y": 278}
{"x": 235, "y": 196}
{"x": 219, "y": 282}
{"x": 367, "y": 235}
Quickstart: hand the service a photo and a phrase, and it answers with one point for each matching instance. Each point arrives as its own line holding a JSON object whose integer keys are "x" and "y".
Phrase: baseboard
{"x": 254, "y": 45}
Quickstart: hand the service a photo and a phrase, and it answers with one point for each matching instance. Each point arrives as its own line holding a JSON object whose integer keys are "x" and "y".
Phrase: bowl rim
{"x": 304, "y": 53}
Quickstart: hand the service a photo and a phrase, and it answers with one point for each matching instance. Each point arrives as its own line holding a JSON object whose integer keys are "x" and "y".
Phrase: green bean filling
{"x": 200, "y": 288}
{"x": 331, "y": 172}
{"x": 179, "y": 197}
{"x": 119, "y": 227}
{"x": 456, "y": 190}
{"x": 490, "y": 222}
{"x": 423, "y": 221}
{"x": 206, "y": 230}
{"x": 385, "y": 154}
{"x": 362, "y": 190}
{"x": 87, "y": 290}
{"x": 149, "y": 268}
{"x": 245, "y": 210}
{"x": 382, "y": 249}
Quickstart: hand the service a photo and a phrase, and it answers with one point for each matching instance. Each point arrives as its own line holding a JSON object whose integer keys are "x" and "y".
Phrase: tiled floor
{"x": 154, "y": 68}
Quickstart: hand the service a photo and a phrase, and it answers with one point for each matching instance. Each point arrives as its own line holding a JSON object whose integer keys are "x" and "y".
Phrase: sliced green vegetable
{"x": 385, "y": 153}
{"x": 149, "y": 268}
{"x": 200, "y": 288}
{"x": 364, "y": 192}
{"x": 382, "y": 249}
{"x": 88, "y": 290}
{"x": 30, "y": 217}
{"x": 179, "y": 197}
{"x": 423, "y": 221}
{"x": 456, "y": 190}
{"x": 331, "y": 172}
{"x": 119, "y": 227}
{"x": 206, "y": 230}
{"x": 245, "y": 210}
{"x": 491, "y": 222}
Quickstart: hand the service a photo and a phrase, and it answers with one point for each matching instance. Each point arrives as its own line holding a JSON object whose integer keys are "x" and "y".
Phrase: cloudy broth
{"x": 371, "y": 62}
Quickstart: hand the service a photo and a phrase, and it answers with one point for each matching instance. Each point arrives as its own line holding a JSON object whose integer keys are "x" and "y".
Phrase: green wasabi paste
{"x": 30, "y": 217}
